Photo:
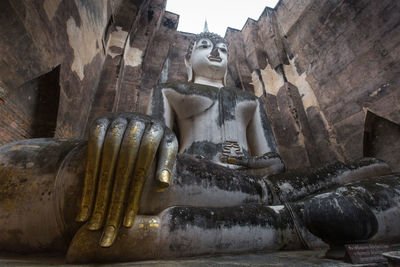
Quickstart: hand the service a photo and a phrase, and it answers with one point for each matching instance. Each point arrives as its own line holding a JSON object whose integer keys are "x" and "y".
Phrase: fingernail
{"x": 128, "y": 220}
{"x": 232, "y": 160}
{"x": 108, "y": 236}
{"x": 165, "y": 178}
{"x": 95, "y": 223}
{"x": 83, "y": 215}
{"x": 94, "y": 226}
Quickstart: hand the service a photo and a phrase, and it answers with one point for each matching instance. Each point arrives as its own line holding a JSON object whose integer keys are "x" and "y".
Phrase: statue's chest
{"x": 222, "y": 108}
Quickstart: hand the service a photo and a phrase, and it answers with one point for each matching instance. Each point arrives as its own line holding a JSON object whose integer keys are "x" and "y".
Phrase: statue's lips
{"x": 215, "y": 59}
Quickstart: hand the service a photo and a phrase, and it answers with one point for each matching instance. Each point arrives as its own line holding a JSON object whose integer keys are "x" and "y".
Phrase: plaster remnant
{"x": 50, "y": 7}
{"x": 117, "y": 39}
{"x": 164, "y": 71}
{"x": 305, "y": 90}
{"x": 29, "y": 165}
{"x": 323, "y": 195}
{"x": 83, "y": 41}
{"x": 308, "y": 97}
{"x": 273, "y": 81}
{"x": 376, "y": 92}
{"x": 133, "y": 56}
{"x": 287, "y": 187}
{"x": 383, "y": 185}
{"x": 277, "y": 208}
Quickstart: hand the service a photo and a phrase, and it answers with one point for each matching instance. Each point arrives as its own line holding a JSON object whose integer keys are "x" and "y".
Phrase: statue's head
{"x": 207, "y": 57}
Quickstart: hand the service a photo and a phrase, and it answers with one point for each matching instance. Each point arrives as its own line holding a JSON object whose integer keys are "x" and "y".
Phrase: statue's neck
{"x": 207, "y": 81}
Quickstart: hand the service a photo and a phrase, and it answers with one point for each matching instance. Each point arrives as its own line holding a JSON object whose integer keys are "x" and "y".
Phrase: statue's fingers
{"x": 123, "y": 173}
{"x": 167, "y": 156}
{"x": 237, "y": 160}
{"x": 264, "y": 161}
{"x": 111, "y": 148}
{"x": 147, "y": 152}
{"x": 97, "y": 135}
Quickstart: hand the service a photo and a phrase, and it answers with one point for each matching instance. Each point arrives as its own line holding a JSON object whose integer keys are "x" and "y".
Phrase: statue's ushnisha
{"x": 217, "y": 188}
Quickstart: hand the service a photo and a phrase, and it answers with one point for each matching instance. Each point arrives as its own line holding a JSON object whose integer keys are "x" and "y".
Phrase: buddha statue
{"x": 200, "y": 174}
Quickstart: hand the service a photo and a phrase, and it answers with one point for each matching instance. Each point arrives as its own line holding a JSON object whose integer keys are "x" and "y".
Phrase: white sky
{"x": 220, "y": 14}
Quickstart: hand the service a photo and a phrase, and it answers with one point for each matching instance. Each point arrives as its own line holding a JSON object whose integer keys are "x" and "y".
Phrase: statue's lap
{"x": 207, "y": 209}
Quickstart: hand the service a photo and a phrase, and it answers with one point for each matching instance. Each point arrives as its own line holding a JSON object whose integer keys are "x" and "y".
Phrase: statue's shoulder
{"x": 188, "y": 88}
{"x": 240, "y": 94}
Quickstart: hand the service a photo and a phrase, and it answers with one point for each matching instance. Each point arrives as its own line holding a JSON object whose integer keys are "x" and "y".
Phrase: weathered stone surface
{"x": 135, "y": 50}
{"x": 254, "y": 52}
{"x": 38, "y": 36}
{"x": 343, "y": 47}
{"x": 341, "y": 55}
{"x": 300, "y": 258}
{"x": 105, "y": 98}
{"x": 320, "y": 66}
{"x": 239, "y": 69}
{"x": 325, "y": 149}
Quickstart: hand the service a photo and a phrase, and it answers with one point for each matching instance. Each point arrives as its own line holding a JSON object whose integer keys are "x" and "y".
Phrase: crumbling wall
{"x": 344, "y": 60}
{"x": 38, "y": 37}
{"x": 320, "y": 66}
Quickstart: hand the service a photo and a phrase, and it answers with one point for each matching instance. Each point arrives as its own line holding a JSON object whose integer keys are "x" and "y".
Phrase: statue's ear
{"x": 189, "y": 68}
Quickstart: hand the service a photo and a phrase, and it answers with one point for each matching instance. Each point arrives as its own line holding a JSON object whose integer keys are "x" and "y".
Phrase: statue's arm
{"x": 262, "y": 146}
{"x": 160, "y": 108}
{"x": 259, "y": 134}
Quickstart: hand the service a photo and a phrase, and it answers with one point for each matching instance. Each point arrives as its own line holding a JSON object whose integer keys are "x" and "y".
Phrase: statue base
{"x": 300, "y": 258}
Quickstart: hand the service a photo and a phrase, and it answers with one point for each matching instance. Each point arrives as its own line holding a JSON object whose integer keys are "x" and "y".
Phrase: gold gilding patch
{"x": 23, "y": 146}
{"x": 232, "y": 160}
{"x": 165, "y": 178}
{"x": 153, "y": 223}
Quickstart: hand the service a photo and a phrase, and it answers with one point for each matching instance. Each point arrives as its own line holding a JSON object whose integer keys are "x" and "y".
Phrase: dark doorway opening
{"x": 44, "y": 120}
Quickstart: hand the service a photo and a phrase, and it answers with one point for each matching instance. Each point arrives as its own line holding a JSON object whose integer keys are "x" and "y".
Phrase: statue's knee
{"x": 339, "y": 219}
{"x": 39, "y": 188}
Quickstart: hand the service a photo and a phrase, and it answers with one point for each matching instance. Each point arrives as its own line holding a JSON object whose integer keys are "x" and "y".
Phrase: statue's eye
{"x": 204, "y": 44}
{"x": 222, "y": 49}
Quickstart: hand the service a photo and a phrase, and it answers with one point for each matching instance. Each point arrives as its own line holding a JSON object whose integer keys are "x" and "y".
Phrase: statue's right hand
{"x": 121, "y": 150}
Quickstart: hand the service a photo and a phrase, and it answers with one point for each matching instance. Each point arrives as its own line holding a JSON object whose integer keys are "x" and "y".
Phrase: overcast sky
{"x": 220, "y": 14}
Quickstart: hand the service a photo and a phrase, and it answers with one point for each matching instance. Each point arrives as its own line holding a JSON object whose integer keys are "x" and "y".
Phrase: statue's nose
{"x": 215, "y": 52}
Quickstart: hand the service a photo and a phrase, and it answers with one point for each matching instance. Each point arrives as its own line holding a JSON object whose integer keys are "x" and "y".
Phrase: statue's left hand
{"x": 271, "y": 162}
{"x": 121, "y": 150}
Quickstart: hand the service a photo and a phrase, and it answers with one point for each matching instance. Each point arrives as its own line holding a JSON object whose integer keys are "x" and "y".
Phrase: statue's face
{"x": 209, "y": 60}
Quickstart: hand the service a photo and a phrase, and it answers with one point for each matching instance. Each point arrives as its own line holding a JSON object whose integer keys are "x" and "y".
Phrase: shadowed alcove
{"x": 382, "y": 140}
